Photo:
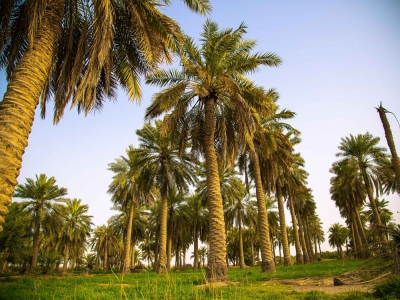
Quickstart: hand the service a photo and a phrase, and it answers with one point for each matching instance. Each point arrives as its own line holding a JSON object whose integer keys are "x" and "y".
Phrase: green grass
{"x": 247, "y": 283}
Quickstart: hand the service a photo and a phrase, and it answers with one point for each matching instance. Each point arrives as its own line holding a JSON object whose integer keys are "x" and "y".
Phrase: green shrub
{"x": 389, "y": 289}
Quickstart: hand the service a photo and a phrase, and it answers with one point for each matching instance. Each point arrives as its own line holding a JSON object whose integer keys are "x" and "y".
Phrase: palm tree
{"x": 385, "y": 214}
{"x": 206, "y": 96}
{"x": 177, "y": 215}
{"x": 364, "y": 149}
{"x": 203, "y": 254}
{"x": 125, "y": 191}
{"x": 74, "y": 50}
{"x": 75, "y": 228}
{"x": 198, "y": 215}
{"x": 41, "y": 193}
{"x": 137, "y": 226}
{"x": 241, "y": 212}
{"x": 16, "y": 237}
{"x": 164, "y": 164}
{"x": 348, "y": 192}
{"x": 337, "y": 237}
{"x": 104, "y": 241}
{"x": 389, "y": 138}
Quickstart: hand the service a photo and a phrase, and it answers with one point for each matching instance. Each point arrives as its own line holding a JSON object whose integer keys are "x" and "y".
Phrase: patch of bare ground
{"x": 209, "y": 285}
{"x": 349, "y": 282}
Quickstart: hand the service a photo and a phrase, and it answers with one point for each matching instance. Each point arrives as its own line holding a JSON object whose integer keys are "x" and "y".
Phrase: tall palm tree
{"x": 337, "y": 237}
{"x": 75, "y": 228}
{"x": 74, "y": 51}
{"x": 125, "y": 191}
{"x": 132, "y": 227}
{"x": 206, "y": 95}
{"x": 348, "y": 192}
{"x": 390, "y": 141}
{"x": 164, "y": 164}
{"x": 369, "y": 156}
{"x": 42, "y": 193}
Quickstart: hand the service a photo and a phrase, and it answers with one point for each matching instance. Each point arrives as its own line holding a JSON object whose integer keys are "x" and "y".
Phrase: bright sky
{"x": 340, "y": 59}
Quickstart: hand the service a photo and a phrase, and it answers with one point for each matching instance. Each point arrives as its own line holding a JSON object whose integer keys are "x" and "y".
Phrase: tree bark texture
{"x": 127, "y": 244}
{"x": 306, "y": 256}
{"x": 17, "y": 110}
{"x": 287, "y": 261}
{"x": 162, "y": 261}
{"x": 390, "y": 141}
{"x": 299, "y": 255}
{"x": 267, "y": 261}
{"x": 216, "y": 267}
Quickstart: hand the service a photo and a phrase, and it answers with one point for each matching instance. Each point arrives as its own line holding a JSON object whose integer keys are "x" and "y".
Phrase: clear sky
{"x": 340, "y": 59}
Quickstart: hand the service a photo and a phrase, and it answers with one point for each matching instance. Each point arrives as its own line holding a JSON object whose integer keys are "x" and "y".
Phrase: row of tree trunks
{"x": 267, "y": 261}
{"x": 299, "y": 254}
{"x": 287, "y": 261}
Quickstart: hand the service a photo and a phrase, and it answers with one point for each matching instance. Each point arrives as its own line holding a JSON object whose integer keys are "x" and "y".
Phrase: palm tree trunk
{"x": 241, "y": 254}
{"x": 302, "y": 240}
{"x": 216, "y": 267}
{"x": 169, "y": 245}
{"x": 195, "y": 248}
{"x": 299, "y": 255}
{"x": 105, "y": 257}
{"x": 17, "y": 110}
{"x": 97, "y": 261}
{"x": 66, "y": 254}
{"x": 315, "y": 247}
{"x": 374, "y": 209}
{"x": 156, "y": 251}
{"x": 267, "y": 261}
{"x": 252, "y": 253}
{"x": 360, "y": 230}
{"x": 282, "y": 222}
{"x": 308, "y": 240}
{"x": 35, "y": 250}
{"x": 390, "y": 141}
{"x": 162, "y": 261}
{"x": 133, "y": 255}
{"x": 127, "y": 244}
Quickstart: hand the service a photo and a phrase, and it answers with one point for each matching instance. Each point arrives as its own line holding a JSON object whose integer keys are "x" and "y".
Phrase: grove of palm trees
{"x": 226, "y": 161}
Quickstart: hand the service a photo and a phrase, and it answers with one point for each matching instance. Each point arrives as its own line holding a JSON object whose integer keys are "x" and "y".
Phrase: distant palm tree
{"x": 137, "y": 223}
{"x": 206, "y": 97}
{"x": 75, "y": 228}
{"x": 164, "y": 164}
{"x": 104, "y": 241}
{"x": 16, "y": 237}
{"x": 385, "y": 214}
{"x": 338, "y": 235}
{"x": 42, "y": 192}
{"x": 203, "y": 254}
{"x": 241, "y": 212}
{"x": 74, "y": 51}
{"x": 198, "y": 215}
{"x": 126, "y": 192}
{"x": 364, "y": 149}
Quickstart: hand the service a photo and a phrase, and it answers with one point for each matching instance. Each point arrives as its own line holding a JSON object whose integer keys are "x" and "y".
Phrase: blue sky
{"x": 340, "y": 59}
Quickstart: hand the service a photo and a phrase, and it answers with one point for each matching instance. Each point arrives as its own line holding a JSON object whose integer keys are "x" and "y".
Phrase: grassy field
{"x": 247, "y": 283}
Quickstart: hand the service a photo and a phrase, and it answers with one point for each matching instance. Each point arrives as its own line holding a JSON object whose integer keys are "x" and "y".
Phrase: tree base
{"x": 162, "y": 270}
{"x": 267, "y": 266}
{"x": 217, "y": 272}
